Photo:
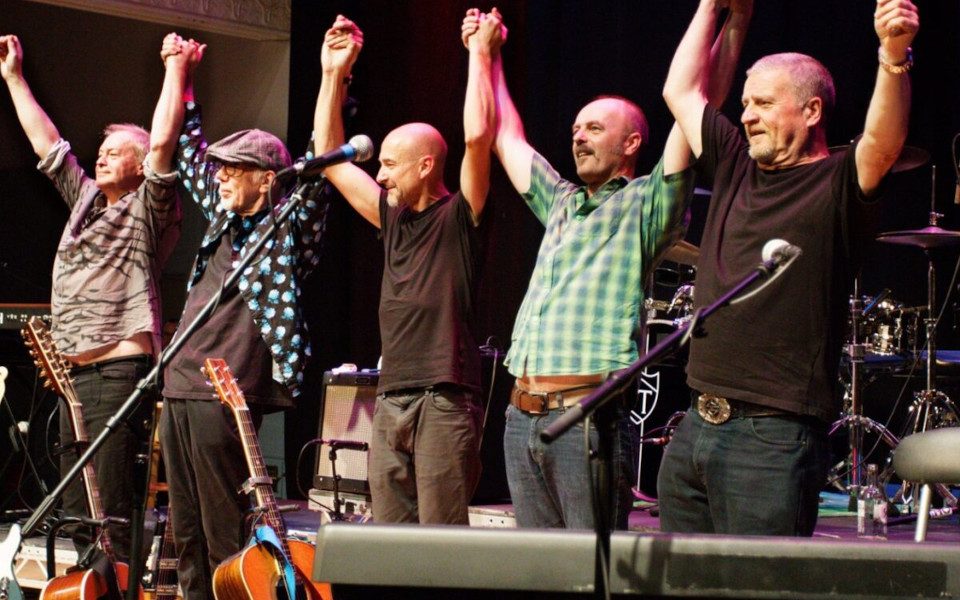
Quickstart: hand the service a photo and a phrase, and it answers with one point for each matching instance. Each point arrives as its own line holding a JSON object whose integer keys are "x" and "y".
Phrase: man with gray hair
{"x": 257, "y": 327}
{"x": 751, "y": 455}
{"x": 105, "y": 304}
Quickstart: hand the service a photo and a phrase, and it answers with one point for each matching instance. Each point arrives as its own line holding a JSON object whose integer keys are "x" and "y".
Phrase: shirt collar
{"x": 585, "y": 205}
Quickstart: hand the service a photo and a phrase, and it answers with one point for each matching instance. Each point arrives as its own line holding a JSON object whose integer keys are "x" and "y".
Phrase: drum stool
{"x": 928, "y": 457}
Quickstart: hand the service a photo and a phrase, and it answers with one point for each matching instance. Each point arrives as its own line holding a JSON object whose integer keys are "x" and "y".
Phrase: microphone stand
{"x": 606, "y": 424}
{"x": 149, "y": 381}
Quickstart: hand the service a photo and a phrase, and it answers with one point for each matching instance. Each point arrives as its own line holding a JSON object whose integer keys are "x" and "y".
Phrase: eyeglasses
{"x": 231, "y": 171}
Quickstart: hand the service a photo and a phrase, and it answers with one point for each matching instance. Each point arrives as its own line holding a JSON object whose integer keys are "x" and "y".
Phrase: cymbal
{"x": 910, "y": 157}
{"x": 682, "y": 252}
{"x": 928, "y": 237}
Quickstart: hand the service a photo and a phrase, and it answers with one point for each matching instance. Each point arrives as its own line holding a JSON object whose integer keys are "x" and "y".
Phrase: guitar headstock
{"x": 223, "y": 381}
{"x": 54, "y": 367}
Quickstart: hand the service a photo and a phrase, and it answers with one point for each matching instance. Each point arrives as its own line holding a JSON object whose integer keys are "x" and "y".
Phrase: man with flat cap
{"x": 257, "y": 328}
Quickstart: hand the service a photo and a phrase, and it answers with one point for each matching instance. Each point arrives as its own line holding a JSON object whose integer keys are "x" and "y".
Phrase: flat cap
{"x": 251, "y": 147}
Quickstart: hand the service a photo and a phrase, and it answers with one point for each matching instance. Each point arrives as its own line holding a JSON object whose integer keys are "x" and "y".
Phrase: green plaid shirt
{"x": 586, "y": 292}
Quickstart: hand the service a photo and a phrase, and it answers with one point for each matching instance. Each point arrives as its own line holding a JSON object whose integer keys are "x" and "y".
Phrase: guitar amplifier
{"x": 346, "y": 415}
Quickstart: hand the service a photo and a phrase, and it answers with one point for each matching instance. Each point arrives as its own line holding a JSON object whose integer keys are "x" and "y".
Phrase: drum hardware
{"x": 930, "y": 405}
{"x": 854, "y": 421}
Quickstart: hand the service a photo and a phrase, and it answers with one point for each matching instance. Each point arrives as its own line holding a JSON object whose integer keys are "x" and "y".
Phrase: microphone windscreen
{"x": 363, "y": 146}
{"x": 772, "y": 247}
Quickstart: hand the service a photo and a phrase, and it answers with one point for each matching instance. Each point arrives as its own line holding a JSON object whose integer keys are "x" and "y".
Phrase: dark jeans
{"x": 102, "y": 388}
{"x": 206, "y": 467}
{"x": 748, "y": 476}
{"x": 424, "y": 456}
{"x": 550, "y": 483}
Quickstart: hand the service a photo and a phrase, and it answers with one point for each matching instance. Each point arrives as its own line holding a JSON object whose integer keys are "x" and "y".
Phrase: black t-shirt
{"x": 230, "y": 334}
{"x": 427, "y": 296}
{"x": 782, "y": 347}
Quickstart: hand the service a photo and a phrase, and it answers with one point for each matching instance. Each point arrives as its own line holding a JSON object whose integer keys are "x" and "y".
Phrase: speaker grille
{"x": 347, "y": 414}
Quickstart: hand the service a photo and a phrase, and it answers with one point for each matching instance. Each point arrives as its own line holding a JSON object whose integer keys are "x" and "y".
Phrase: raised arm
{"x": 479, "y": 110}
{"x": 896, "y": 23}
{"x": 702, "y": 68}
{"x": 510, "y": 144}
{"x": 180, "y": 57}
{"x": 341, "y": 45}
{"x": 40, "y": 130}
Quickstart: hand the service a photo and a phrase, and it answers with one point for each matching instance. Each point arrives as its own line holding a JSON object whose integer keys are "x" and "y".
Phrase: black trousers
{"x": 102, "y": 388}
{"x": 206, "y": 467}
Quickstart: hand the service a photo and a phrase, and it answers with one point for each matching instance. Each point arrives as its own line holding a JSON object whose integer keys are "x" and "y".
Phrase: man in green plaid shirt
{"x": 576, "y": 324}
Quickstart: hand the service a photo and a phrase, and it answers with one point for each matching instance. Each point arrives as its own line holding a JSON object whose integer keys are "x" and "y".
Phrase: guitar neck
{"x": 166, "y": 578}
{"x": 263, "y": 492}
{"x": 231, "y": 395}
{"x": 55, "y": 370}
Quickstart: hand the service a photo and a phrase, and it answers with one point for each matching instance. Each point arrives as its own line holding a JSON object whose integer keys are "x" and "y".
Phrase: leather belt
{"x": 539, "y": 403}
{"x": 717, "y": 410}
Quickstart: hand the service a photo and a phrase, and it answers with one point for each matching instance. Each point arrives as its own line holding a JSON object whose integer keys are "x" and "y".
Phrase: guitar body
{"x": 253, "y": 574}
{"x": 78, "y": 585}
{"x": 87, "y": 584}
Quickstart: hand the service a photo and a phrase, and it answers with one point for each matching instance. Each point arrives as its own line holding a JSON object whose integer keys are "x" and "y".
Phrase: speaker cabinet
{"x": 346, "y": 414}
{"x": 467, "y": 563}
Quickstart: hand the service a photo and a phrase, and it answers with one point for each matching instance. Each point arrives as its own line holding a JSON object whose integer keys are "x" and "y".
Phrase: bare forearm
{"x": 37, "y": 126}
{"x": 327, "y": 118}
{"x": 479, "y": 109}
{"x": 689, "y": 72}
{"x": 888, "y": 115}
{"x": 725, "y": 55}
{"x": 509, "y": 124}
{"x": 167, "y": 119}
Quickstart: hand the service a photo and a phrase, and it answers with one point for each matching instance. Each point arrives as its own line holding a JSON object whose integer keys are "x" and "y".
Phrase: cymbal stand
{"x": 855, "y": 421}
{"x": 931, "y": 408}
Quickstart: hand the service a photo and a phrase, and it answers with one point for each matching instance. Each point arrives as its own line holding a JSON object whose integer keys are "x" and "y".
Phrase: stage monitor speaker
{"x": 427, "y": 562}
{"x": 346, "y": 414}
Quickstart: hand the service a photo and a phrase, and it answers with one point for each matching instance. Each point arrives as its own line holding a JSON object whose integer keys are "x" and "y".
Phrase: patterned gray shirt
{"x": 106, "y": 274}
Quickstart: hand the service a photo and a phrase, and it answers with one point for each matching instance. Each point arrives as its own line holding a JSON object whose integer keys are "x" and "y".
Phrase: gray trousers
{"x": 424, "y": 456}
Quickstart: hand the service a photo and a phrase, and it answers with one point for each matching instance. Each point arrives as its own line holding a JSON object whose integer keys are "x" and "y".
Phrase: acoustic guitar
{"x": 83, "y": 584}
{"x": 260, "y": 571}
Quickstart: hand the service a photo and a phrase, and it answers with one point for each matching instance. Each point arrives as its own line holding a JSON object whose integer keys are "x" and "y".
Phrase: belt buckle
{"x": 544, "y": 401}
{"x": 713, "y": 409}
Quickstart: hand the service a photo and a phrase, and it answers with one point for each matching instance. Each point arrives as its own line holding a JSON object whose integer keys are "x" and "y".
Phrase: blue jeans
{"x": 550, "y": 483}
{"x": 424, "y": 461}
{"x": 748, "y": 476}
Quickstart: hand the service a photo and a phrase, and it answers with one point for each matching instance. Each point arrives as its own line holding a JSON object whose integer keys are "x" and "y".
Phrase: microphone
{"x": 777, "y": 251}
{"x": 346, "y": 445}
{"x": 358, "y": 149}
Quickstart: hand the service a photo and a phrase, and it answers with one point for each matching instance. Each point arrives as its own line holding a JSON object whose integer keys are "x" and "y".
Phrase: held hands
{"x": 481, "y": 31}
{"x": 11, "y": 57}
{"x": 341, "y": 46}
{"x": 177, "y": 52}
{"x": 896, "y": 23}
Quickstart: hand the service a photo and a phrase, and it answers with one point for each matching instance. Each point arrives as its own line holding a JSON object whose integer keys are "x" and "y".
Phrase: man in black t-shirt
{"x": 425, "y": 411}
{"x": 751, "y": 455}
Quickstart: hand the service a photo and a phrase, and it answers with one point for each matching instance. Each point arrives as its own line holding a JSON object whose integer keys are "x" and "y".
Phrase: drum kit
{"x": 884, "y": 333}
{"x": 884, "y": 329}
